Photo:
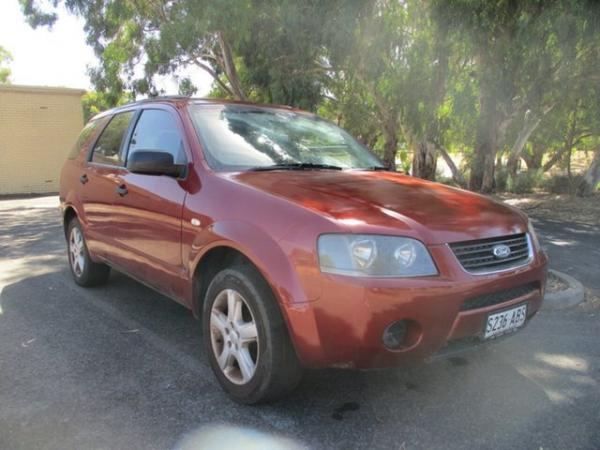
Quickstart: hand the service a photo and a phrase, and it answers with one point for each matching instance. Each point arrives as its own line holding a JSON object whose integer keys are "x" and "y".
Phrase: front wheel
{"x": 246, "y": 339}
{"x": 85, "y": 271}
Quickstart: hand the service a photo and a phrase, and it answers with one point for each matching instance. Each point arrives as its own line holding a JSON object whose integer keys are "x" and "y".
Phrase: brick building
{"x": 38, "y": 127}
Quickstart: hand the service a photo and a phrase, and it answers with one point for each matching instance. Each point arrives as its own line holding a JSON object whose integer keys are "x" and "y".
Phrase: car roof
{"x": 178, "y": 100}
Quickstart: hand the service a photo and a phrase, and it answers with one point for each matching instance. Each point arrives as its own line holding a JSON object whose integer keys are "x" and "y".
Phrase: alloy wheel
{"x": 76, "y": 251}
{"x": 234, "y": 336}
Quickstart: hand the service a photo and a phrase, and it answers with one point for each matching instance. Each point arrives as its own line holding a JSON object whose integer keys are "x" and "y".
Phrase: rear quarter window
{"x": 87, "y": 135}
{"x": 107, "y": 149}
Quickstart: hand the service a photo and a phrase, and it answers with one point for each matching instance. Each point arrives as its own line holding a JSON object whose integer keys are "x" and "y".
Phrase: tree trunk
{"x": 534, "y": 161}
{"x": 570, "y": 141}
{"x": 515, "y": 152}
{"x": 530, "y": 124}
{"x": 554, "y": 159}
{"x": 368, "y": 140}
{"x": 424, "y": 160}
{"x": 482, "y": 168}
{"x": 456, "y": 175}
{"x": 567, "y": 146}
{"x": 390, "y": 145}
{"x": 229, "y": 68}
{"x": 389, "y": 117}
{"x": 591, "y": 178}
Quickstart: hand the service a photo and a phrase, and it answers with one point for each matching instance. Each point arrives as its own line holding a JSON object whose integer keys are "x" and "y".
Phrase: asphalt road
{"x": 574, "y": 248}
{"x": 120, "y": 367}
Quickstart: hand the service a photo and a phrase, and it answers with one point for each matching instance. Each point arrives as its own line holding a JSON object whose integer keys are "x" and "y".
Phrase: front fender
{"x": 263, "y": 250}
{"x": 293, "y": 292}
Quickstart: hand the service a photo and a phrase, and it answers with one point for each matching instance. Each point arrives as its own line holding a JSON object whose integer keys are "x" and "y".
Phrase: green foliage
{"x": 448, "y": 181}
{"x": 405, "y": 161}
{"x": 524, "y": 182}
{"x": 524, "y": 54}
{"x": 5, "y": 58}
{"x": 271, "y": 51}
{"x": 187, "y": 88}
{"x": 521, "y": 183}
{"x": 410, "y": 79}
{"x": 562, "y": 184}
{"x": 502, "y": 179}
{"x": 96, "y": 102}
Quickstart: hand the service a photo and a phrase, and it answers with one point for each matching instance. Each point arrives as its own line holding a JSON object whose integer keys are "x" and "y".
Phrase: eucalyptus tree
{"x": 590, "y": 124}
{"x": 373, "y": 59}
{"x": 262, "y": 49}
{"x": 523, "y": 53}
{"x": 561, "y": 71}
{"x": 398, "y": 62}
{"x": 160, "y": 36}
{"x": 591, "y": 178}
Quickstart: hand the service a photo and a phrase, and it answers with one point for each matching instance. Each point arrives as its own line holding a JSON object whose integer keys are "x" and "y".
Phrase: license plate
{"x": 505, "y": 321}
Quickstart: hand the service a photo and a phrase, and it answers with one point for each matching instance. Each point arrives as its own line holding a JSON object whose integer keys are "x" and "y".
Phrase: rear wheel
{"x": 85, "y": 272}
{"x": 246, "y": 339}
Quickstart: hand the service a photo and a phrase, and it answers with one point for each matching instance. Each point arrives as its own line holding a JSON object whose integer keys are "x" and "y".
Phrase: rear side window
{"x": 108, "y": 147}
{"x": 85, "y": 137}
{"x": 157, "y": 130}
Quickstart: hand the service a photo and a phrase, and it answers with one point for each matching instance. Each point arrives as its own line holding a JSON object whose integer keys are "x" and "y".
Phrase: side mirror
{"x": 154, "y": 163}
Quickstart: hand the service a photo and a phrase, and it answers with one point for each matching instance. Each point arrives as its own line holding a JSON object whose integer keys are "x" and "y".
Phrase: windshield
{"x": 245, "y": 138}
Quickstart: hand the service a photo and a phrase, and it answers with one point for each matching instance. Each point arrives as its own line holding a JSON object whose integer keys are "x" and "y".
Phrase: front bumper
{"x": 344, "y": 327}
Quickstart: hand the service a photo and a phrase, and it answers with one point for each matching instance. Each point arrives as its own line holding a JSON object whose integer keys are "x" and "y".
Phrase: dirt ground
{"x": 592, "y": 301}
{"x": 557, "y": 207}
{"x": 555, "y": 284}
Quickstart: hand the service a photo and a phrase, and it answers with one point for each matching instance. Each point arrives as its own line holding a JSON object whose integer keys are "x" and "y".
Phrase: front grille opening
{"x": 496, "y": 298}
{"x": 478, "y": 256}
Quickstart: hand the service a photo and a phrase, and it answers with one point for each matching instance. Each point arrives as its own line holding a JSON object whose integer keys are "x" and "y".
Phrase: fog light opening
{"x": 395, "y": 334}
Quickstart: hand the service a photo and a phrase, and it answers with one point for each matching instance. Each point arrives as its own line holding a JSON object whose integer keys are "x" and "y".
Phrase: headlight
{"x": 363, "y": 255}
{"x": 533, "y": 236}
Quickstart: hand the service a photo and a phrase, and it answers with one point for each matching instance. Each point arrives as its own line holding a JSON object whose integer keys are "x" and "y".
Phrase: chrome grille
{"x": 478, "y": 256}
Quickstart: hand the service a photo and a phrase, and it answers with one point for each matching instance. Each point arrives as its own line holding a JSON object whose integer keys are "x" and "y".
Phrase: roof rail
{"x": 184, "y": 98}
{"x": 158, "y": 98}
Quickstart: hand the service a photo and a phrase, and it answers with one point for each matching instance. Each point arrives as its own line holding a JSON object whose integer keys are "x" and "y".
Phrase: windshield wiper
{"x": 295, "y": 166}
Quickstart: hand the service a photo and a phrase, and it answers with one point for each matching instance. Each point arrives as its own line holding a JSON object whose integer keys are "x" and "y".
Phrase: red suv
{"x": 291, "y": 241}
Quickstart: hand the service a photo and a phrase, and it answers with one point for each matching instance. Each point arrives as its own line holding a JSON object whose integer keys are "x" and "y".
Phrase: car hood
{"x": 391, "y": 203}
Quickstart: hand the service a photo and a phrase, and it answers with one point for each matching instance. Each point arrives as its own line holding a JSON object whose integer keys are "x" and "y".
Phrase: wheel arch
{"x": 210, "y": 263}
{"x": 69, "y": 214}
{"x": 221, "y": 256}
{"x": 232, "y": 240}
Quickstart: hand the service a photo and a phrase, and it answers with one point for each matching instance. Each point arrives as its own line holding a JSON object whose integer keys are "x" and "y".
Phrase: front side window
{"x": 238, "y": 137}
{"x": 108, "y": 147}
{"x": 157, "y": 130}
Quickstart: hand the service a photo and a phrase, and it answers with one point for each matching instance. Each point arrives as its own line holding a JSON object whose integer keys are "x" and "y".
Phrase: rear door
{"x": 99, "y": 182}
{"x": 148, "y": 208}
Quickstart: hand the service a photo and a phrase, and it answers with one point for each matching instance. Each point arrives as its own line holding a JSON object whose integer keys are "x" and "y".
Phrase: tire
{"x": 276, "y": 369}
{"x": 85, "y": 272}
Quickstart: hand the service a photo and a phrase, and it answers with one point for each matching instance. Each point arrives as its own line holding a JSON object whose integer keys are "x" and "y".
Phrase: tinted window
{"x": 85, "y": 137}
{"x": 107, "y": 148}
{"x": 157, "y": 130}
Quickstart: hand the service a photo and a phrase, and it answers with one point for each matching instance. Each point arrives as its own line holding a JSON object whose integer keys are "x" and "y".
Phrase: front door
{"x": 99, "y": 181}
{"x": 148, "y": 208}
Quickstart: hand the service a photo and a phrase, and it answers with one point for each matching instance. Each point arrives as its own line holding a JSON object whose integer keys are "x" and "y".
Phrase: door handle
{"x": 83, "y": 179}
{"x": 122, "y": 190}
